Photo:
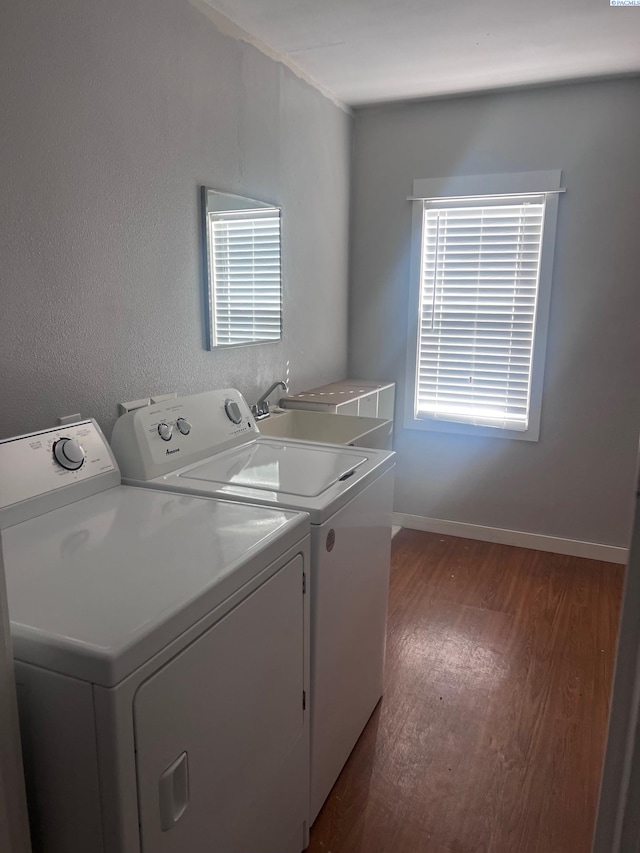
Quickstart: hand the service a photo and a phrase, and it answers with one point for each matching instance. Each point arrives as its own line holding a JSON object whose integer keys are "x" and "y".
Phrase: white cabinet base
{"x": 349, "y": 595}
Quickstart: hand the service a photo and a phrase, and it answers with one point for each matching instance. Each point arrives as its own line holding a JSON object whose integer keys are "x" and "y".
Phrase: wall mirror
{"x": 244, "y": 287}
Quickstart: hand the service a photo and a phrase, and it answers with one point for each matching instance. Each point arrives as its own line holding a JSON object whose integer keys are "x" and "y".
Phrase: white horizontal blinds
{"x": 479, "y": 289}
{"x": 246, "y": 276}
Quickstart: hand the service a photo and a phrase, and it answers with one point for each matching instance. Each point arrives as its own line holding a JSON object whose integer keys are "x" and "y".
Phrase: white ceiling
{"x": 372, "y": 51}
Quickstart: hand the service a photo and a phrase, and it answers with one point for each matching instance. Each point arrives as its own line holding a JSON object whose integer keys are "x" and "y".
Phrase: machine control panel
{"x": 156, "y": 439}
{"x": 47, "y": 460}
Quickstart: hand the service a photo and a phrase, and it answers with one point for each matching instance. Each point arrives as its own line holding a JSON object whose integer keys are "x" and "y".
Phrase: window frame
{"x": 482, "y": 186}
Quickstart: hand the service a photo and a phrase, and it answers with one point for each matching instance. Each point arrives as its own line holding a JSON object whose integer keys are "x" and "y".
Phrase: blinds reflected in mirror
{"x": 246, "y": 276}
{"x": 242, "y": 237}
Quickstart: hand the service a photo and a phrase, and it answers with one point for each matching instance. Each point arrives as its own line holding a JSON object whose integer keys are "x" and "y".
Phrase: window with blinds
{"x": 479, "y": 281}
{"x": 245, "y": 271}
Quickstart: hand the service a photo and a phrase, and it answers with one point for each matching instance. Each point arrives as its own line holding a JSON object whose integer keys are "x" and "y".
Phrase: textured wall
{"x": 113, "y": 114}
{"x": 577, "y": 481}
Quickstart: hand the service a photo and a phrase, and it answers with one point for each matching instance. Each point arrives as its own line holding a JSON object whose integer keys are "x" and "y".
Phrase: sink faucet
{"x": 261, "y": 408}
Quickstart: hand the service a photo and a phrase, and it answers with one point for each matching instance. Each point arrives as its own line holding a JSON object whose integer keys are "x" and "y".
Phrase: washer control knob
{"x": 233, "y": 411}
{"x": 165, "y": 431}
{"x": 69, "y": 453}
{"x": 183, "y": 426}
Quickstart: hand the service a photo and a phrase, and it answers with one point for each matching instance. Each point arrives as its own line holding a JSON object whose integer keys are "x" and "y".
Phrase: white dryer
{"x": 208, "y": 444}
{"x": 161, "y": 645}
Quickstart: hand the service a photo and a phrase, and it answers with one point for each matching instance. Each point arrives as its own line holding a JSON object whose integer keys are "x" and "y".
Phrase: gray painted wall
{"x": 577, "y": 482}
{"x": 113, "y": 114}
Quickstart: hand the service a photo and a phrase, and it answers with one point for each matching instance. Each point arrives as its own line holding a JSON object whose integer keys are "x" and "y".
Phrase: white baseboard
{"x": 537, "y": 541}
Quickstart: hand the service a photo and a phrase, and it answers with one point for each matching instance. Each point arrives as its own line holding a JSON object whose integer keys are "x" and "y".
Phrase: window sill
{"x": 532, "y": 433}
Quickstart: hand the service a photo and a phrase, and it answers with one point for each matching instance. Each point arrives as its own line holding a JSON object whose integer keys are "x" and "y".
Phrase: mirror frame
{"x": 214, "y": 204}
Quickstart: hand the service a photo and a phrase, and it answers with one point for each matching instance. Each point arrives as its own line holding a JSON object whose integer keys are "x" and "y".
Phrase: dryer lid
{"x": 292, "y": 469}
{"x": 98, "y": 587}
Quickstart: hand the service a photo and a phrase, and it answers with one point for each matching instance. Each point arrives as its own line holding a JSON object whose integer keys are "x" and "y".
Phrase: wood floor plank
{"x": 490, "y": 735}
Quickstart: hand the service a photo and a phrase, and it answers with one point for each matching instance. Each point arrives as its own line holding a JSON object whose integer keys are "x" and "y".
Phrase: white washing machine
{"x": 162, "y": 657}
{"x": 208, "y": 444}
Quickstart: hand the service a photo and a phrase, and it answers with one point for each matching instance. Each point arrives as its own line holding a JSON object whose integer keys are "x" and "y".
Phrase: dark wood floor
{"x": 491, "y": 733}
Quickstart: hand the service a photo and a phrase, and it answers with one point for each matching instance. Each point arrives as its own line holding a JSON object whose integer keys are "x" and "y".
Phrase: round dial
{"x": 165, "y": 431}
{"x": 184, "y": 426}
{"x": 68, "y": 453}
{"x": 233, "y": 411}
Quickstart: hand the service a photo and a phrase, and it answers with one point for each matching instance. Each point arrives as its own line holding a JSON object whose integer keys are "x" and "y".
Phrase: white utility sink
{"x": 328, "y": 428}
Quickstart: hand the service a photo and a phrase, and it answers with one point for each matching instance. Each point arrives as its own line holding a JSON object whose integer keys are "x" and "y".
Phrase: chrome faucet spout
{"x": 261, "y": 408}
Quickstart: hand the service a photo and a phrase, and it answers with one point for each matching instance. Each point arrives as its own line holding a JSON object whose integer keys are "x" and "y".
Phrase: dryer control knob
{"x": 183, "y": 426}
{"x": 69, "y": 453}
{"x": 233, "y": 411}
{"x": 165, "y": 431}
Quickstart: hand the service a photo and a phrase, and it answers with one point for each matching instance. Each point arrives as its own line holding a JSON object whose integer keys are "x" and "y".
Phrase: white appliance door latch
{"x": 174, "y": 792}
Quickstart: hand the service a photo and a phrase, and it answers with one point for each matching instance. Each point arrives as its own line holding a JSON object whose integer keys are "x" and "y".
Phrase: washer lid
{"x": 98, "y": 587}
{"x": 294, "y": 469}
